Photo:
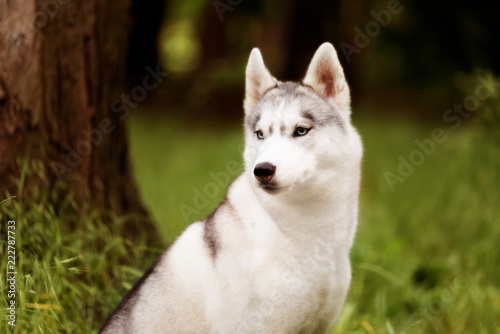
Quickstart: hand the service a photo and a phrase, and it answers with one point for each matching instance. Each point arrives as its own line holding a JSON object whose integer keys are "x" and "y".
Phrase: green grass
{"x": 72, "y": 268}
{"x": 173, "y": 163}
{"x": 425, "y": 258}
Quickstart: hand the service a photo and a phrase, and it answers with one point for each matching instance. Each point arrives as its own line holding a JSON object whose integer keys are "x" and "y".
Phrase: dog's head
{"x": 298, "y": 135}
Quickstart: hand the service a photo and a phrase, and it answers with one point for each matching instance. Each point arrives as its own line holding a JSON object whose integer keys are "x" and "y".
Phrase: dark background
{"x": 409, "y": 64}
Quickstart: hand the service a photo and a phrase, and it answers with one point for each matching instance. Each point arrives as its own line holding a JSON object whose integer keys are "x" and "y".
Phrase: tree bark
{"x": 62, "y": 66}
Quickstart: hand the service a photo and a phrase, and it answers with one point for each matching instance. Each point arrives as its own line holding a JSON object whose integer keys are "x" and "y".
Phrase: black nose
{"x": 264, "y": 172}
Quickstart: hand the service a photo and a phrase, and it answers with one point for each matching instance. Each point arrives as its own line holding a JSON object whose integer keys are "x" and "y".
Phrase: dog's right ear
{"x": 326, "y": 77}
{"x": 258, "y": 80}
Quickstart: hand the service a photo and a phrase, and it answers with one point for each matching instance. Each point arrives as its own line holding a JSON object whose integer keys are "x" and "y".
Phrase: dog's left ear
{"x": 258, "y": 80}
{"x": 326, "y": 77}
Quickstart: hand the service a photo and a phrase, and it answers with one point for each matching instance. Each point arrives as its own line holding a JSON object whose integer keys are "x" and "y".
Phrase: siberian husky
{"x": 274, "y": 256}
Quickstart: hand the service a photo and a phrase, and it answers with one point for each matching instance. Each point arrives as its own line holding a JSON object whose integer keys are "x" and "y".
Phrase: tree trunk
{"x": 62, "y": 69}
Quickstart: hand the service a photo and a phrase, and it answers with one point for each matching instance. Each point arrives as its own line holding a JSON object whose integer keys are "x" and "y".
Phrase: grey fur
{"x": 314, "y": 107}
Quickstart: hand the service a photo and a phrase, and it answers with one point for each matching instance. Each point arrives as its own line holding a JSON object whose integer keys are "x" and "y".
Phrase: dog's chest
{"x": 281, "y": 293}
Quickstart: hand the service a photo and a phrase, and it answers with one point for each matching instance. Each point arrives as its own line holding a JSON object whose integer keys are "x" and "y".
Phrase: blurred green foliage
{"x": 488, "y": 110}
{"x": 180, "y": 50}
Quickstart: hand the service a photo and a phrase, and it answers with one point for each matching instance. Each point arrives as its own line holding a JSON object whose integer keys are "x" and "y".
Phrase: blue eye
{"x": 260, "y": 134}
{"x": 300, "y": 131}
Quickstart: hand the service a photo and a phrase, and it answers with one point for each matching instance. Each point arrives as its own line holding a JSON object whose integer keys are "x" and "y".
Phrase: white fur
{"x": 258, "y": 79}
{"x": 282, "y": 259}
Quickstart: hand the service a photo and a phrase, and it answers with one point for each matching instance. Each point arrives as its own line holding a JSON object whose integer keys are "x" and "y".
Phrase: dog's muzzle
{"x": 264, "y": 172}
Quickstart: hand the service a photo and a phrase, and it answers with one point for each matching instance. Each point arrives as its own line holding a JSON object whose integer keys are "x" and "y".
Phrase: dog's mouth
{"x": 271, "y": 188}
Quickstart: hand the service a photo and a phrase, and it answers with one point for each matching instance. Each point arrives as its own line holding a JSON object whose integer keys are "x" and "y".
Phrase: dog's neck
{"x": 309, "y": 218}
